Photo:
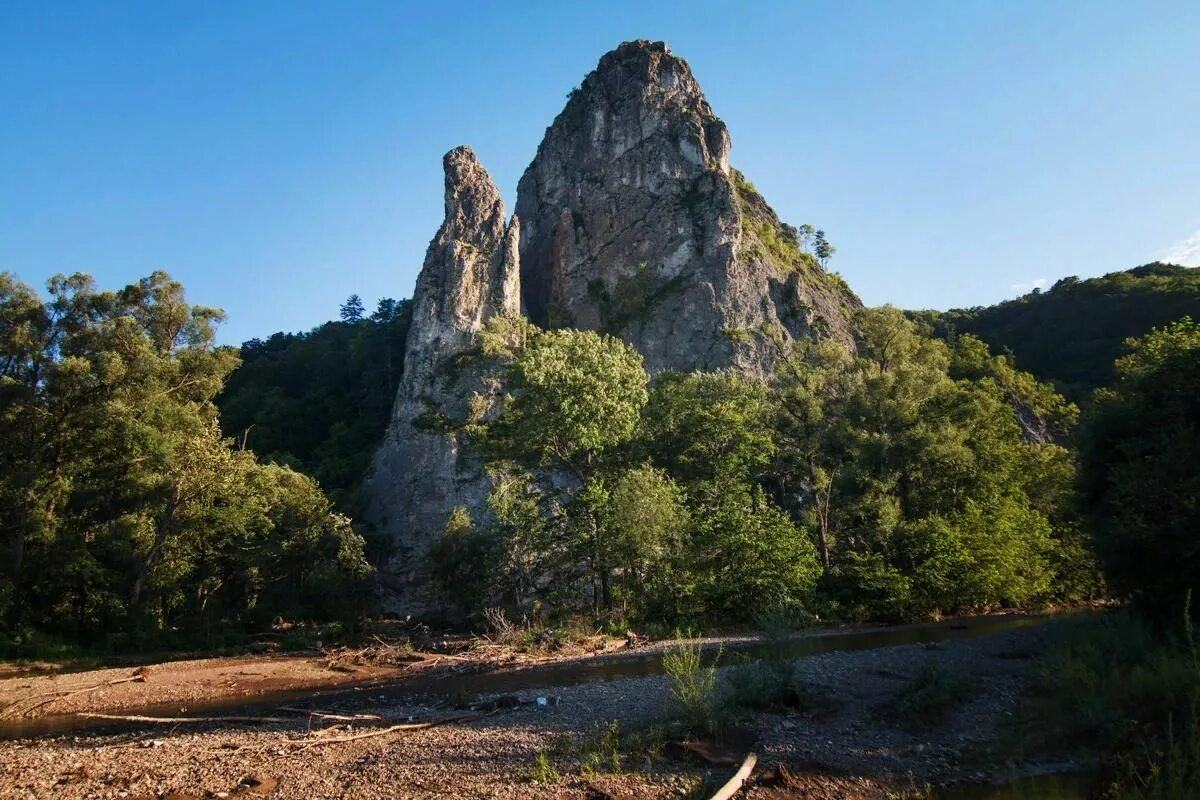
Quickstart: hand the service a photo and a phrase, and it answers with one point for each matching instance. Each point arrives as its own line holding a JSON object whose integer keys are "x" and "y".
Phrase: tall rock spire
{"x": 633, "y": 222}
{"x": 422, "y": 470}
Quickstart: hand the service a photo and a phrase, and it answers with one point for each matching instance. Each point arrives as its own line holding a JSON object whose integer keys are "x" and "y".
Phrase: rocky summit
{"x": 630, "y": 220}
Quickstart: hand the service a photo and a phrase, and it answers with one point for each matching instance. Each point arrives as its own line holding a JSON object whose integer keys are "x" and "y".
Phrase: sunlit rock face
{"x": 424, "y": 467}
{"x": 633, "y": 222}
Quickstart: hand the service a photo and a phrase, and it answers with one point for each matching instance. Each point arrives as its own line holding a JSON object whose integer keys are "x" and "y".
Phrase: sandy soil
{"x": 853, "y": 750}
{"x": 179, "y": 682}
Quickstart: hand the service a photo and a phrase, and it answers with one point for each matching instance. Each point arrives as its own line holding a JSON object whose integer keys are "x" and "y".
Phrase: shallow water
{"x": 567, "y": 673}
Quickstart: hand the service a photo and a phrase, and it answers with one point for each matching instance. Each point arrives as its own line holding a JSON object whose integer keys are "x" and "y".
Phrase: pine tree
{"x": 352, "y": 310}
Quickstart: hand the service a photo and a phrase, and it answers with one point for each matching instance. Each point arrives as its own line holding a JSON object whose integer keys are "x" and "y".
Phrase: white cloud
{"x": 1185, "y": 251}
{"x": 1029, "y": 286}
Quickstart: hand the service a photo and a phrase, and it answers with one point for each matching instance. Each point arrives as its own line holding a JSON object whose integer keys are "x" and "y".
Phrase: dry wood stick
{"x": 734, "y": 784}
{"x": 64, "y": 694}
{"x": 179, "y": 720}
{"x": 411, "y": 726}
{"x": 332, "y": 716}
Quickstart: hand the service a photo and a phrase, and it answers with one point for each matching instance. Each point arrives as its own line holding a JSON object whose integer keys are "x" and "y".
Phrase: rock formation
{"x": 634, "y": 223}
{"x": 423, "y": 470}
{"x": 630, "y": 220}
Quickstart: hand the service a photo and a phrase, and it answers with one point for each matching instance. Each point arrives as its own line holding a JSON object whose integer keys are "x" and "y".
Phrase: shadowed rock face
{"x": 423, "y": 468}
{"x": 631, "y": 221}
{"x": 634, "y": 223}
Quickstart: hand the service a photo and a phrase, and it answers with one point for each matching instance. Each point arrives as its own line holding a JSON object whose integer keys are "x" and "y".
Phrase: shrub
{"x": 692, "y": 683}
{"x": 542, "y": 770}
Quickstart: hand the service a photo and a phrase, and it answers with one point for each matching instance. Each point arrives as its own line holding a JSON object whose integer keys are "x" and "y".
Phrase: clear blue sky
{"x": 278, "y": 156}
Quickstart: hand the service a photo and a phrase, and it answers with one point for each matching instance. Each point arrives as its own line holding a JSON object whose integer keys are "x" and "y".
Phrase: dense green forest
{"x": 127, "y": 517}
{"x": 891, "y": 484}
{"x": 156, "y": 485}
{"x": 319, "y": 402}
{"x": 1071, "y": 334}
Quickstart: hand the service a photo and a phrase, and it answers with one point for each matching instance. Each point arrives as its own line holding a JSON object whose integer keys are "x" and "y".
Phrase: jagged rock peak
{"x": 644, "y": 74}
{"x": 422, "y": 470}
{"x": 474, "y": 208}
{"x": 634, "y": 223}
{"x": 467, "y": 275}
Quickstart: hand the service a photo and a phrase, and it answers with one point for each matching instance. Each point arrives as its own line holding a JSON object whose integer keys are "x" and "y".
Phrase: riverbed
{"x": 853, "y": 749}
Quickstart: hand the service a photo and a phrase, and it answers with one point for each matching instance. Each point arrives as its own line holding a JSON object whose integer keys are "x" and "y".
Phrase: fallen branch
{"x": 734, "y": 784}
{"x": 332, "y": 716}
{"x": 409, "y": 726}
{"x": 180, "y": 720}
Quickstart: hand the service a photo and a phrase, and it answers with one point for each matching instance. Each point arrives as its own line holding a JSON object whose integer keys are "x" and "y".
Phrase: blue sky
{"x": 278, "y": 156}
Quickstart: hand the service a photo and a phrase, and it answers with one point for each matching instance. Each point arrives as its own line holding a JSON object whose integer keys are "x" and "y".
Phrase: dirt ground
{"x": 853, "y": 750}
{"x": 179, "y": 682}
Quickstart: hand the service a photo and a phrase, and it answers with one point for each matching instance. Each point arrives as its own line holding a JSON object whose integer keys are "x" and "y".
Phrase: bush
{"x": 692, "y": 684}
{"x": 1114, "y": 685}
{"x": 770, "y": 686}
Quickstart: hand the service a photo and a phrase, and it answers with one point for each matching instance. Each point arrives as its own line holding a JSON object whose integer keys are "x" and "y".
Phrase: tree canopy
{"x": 320, "y": 401}
{"x": 123, "y": 509}
{"x": 1140, "y": 477}
{"x": 895, "y": 483}
{"x": 1071, "y": 334}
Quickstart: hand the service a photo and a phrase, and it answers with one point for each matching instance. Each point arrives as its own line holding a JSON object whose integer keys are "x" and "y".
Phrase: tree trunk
{"x": 161, "y": 533}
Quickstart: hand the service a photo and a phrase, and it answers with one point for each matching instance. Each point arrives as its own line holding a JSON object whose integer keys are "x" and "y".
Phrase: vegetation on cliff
{"x": 875, "y": 485}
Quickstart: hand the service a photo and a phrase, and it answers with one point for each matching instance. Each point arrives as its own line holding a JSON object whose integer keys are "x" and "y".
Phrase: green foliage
{"x": 123, "y": 508}
{"x": 749, "y": 555}
{"x": 1140, "y": 469}
{"x": 693, "y": 684}
{"x": 542, "y": 770}
{"x": 770, "y": 686}
{"x": 576, "y": 399}
{"x": 916, "y": 487}
{"x": 465, "y": 562}
{"x": 319, "y": 402}
{"x": 608, "y": 749}
{"x": 972, "y": 360}
{"x": 352, "y": 310}
{"x": 1071, "y": 334}
{"x": 605, "y": 752}
{"x": 574, "y": 395}
{"x": 1121, "y": 687}
{"x": 898, "y": 488}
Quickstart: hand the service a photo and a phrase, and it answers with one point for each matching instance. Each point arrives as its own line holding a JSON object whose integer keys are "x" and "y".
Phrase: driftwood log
{"x": 734, "y": 784}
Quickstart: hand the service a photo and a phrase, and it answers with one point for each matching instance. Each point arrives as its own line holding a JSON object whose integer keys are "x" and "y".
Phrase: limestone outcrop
{"x": 630, "y": 220}
{"x": 423, "y": 468}
{"x": 633, "y": 222}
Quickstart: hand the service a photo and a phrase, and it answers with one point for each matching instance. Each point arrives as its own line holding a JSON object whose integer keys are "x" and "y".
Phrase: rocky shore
{"x": 853, "y": 748}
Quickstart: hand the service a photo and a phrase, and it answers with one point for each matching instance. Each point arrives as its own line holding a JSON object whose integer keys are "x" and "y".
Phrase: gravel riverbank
{"x": 852, "y": 750}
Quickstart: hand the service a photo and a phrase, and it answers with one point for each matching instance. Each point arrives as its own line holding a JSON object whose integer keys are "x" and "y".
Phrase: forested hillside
{"x": 1072, "y": 333}
{"x": 319, "y": 401}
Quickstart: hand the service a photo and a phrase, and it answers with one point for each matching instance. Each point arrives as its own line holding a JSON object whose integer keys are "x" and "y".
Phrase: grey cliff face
{"x": 634, "y": 223}
{"x": 631, "y": 221}
{"x": 423, "y": 468}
